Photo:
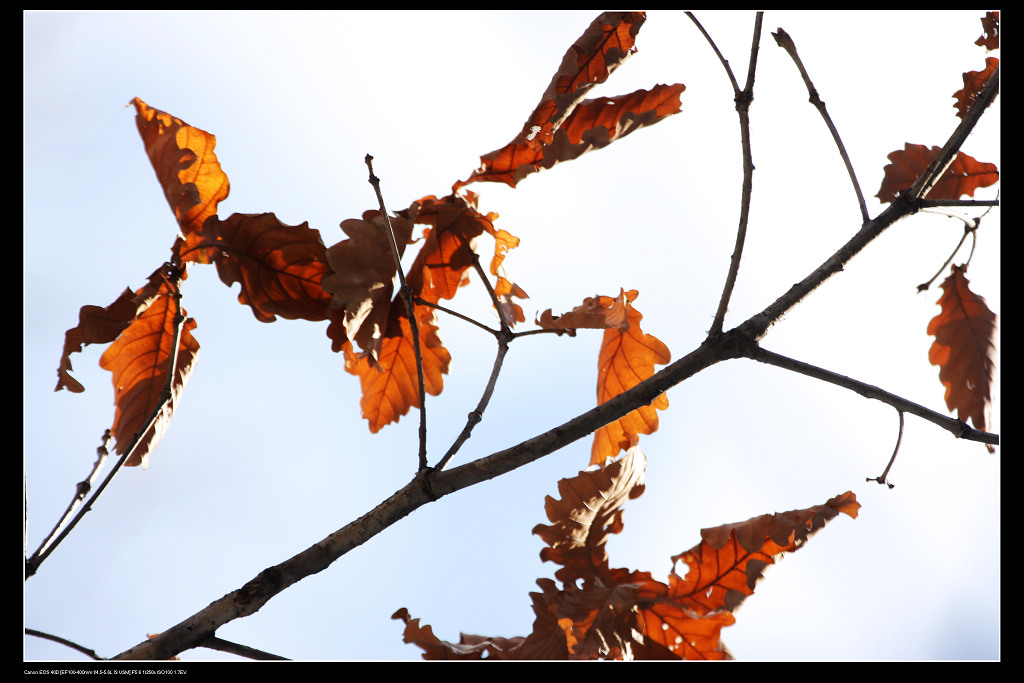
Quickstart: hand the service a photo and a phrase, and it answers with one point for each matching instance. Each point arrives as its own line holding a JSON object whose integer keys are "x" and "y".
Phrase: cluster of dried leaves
{"x": 287, "y": 271}
{"x": 595, "y": 611}
{"x": 965, "y": 329}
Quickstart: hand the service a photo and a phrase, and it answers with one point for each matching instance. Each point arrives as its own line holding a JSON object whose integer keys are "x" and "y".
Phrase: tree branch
{"x": 743, "y": 100}
{"x": 960, "y": 430}
{"x": 786, "y": 43}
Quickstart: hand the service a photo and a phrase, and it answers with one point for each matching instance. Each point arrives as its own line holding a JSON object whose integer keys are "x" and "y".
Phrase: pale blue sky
{"x": 267, "y": 453}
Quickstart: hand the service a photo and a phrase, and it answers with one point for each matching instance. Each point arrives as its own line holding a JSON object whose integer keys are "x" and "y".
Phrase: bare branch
{"x": 786, "y": 42}
{"x": 960, "y": 430}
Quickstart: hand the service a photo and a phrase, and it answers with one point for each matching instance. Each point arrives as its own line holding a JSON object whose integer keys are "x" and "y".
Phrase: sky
{"x": 267, "y": 452}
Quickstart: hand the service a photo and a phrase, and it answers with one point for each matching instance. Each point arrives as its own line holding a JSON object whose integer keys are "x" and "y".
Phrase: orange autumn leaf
{"x": 963, "y": 177}
{"x": 627, "y": 357}
{"x": 974, "y": 81}
{"x": 602, "y": 613}
{"x": 604, "y": 46}
{"x": 592, "y": 125}
{"x": 185, "y": 165}
{"x": 390, "y": 385}
{"x": 563, "y": 125}
{"x": 280, "y": 267}
{"x": 441, "y": 265}
{"x": 594, "y": 313}
{"x": 139, "y": 361}
{"x": 102, "y": 325}
{"x": 964, "y": 349}
{"x": 686, "y": 615}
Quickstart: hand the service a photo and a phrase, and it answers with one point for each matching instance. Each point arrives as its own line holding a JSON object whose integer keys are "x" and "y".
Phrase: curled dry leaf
{"x": 563, "y": 125}
{"x": 142, "y": 327}
{"x": 102, "y": 325}
{"x": 964, "y": 349}
{"x": 598, "y": 612}
{"x": 185, "y": 165}
{"x": 974, "y": 81}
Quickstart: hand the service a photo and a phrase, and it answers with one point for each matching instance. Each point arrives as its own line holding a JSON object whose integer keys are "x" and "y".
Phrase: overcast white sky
{"x": 267, "y": 453}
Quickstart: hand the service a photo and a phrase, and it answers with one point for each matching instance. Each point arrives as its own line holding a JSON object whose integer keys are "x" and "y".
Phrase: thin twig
{"x": 81, "y": 491}
{"x": 221, "y": 645}
{"x": 960, "y": 430}
{"x": 504, "y": 336}
{"x": 743, "y": 100}
{"x": 456, "y": 314}
{"x": 410, "y": 309}
{"x": 967, "y": 231}
{"x": 786, "y": 43}
{"x": 882, "y": 478}
{"x": 63, "y": 641}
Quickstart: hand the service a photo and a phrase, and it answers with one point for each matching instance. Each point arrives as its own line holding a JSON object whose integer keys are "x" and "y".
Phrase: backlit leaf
{"x": 964, "y": 349}
{"x": 280, "y": 267}
{"x": 139, "y": 361}
{"x": 390, "y": 385}
{"x": 602, "y": 613}
{"x": 974, "y": 81}
{"x": 963, "y": 177}
{"x": 102, "y": 325}
{"x": 592, "y": 125}
{"x": 361, "y": 278}
{"x": 627, "y": 357}
{"x": 185, "y": 165}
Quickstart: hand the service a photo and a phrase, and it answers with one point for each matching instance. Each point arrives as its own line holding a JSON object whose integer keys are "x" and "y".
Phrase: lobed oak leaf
{"x": 102, "y": 325}
{"x": 989, "y": 38}
{"x": 139, "y": 361}
{"x": 589, "y": 509}
{"x": 361, "y": 278}
{"x": 964, "y": 349}
{"x": 627, "y": 357}
{"x": 593, "y": 313}
{"x": 963, "y": 177}
{"x": 280, "y": 267}
{"x": 185, "y": 165}
{"x": 974, "y": 81}
{"x": 592, "y": 125}
{"x": 390, "y": 384}
{"x": 448, "y": 247}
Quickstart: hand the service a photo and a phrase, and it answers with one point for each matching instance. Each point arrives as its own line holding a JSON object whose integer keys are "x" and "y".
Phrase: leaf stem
{"x": 410, "y": 309}
{"x": 881, "y": 479}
